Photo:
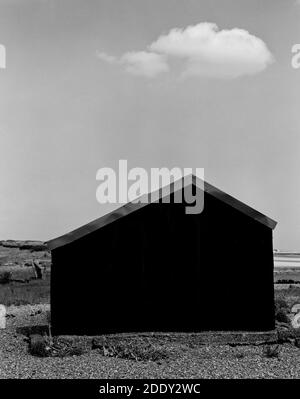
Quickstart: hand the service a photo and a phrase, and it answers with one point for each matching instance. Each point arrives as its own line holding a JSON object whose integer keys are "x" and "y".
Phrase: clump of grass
{"x": 281, "y": 310}
{"x": 132, "y": 350}
{"x": 290, "y": 335}
{"x": 33, "y": 292}
{"x": 271, "y": 351}
{"x": 281, "y": 303}
{"x": 38, "y": 346}
{"x": 62, "y": 350}
{"x": 281, "y": 316}
{"x": 46, "y": 346}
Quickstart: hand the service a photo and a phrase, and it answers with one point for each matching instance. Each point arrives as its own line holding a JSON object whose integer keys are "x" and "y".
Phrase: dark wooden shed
{"x": 152, "y": 267}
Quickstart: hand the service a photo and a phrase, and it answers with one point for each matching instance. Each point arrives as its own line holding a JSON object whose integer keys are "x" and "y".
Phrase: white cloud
{"x": 145, "y": 63}
{"x": 204, "y": 50}
{"x": 110, "y": 59}
{"x": 210, "y": 52}
{"x": 142, "y": 63}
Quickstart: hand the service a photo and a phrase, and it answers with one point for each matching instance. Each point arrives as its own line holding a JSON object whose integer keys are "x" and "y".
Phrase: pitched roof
{"x": 131, "y": 207}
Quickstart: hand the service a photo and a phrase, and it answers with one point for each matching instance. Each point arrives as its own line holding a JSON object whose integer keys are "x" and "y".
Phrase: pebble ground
{"x": 185, "y": 361}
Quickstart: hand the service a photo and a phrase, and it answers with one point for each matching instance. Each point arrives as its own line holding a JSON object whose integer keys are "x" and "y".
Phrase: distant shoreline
{"x": 286, "y": 260}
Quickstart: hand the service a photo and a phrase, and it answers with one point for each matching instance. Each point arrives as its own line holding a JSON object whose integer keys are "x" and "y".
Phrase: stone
{"x": 296, "y": 308}
{"x": 2, "y": 316}
{"x": 296, "y": 321}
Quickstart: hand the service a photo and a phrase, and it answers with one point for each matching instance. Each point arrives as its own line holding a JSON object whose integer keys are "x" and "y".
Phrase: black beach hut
{"x": 152, "y": 267}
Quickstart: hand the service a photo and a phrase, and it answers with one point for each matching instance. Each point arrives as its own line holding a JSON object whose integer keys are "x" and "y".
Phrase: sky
{"x": 194, "y": 83}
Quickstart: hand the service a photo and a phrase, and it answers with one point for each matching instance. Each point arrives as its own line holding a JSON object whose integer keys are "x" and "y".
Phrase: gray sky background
{"x": 66, "y": 112}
